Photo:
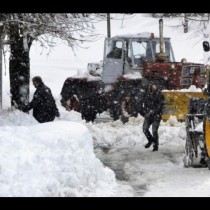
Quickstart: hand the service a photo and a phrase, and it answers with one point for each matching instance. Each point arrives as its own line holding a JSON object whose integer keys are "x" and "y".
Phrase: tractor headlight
{"x": 172, "y": 66}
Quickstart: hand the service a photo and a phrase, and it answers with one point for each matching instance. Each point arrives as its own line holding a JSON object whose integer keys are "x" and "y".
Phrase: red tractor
{"x": 131, "y": 62}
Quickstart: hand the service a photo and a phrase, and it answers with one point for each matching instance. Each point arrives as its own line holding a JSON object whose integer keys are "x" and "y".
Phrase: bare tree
{"x": 188, "y": 19}
{"x": 21, "y": 29}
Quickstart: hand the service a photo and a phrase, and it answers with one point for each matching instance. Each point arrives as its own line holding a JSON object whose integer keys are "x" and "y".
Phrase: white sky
{"x": 64, "y": 157}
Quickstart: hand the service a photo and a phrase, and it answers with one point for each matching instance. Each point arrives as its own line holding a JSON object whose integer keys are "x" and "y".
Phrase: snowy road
{"x": 151, "y": 174}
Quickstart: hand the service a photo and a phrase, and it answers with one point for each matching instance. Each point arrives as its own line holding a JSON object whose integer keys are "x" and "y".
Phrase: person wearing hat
{"x": 43, "y": 103}
{"x": 151, "y": 111}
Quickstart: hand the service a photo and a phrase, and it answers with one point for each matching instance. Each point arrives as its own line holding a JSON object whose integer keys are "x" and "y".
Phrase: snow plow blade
{"x": 176, "y": 103}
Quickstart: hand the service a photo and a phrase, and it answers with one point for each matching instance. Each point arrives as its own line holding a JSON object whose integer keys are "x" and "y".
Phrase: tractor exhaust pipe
{"x": 161, "y": 56}
{"x": 161, "y": 35}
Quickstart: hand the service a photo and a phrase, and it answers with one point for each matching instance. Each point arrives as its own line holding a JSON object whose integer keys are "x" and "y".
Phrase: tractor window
{"x": 114, "y": 49}
{"x": 166, "y": 48}
{"x": 169, "y": 51}
{"x": 138, "y": 53}
{"x": 189, "y": 71}
{"x": 139, "y": 49}
{"x": 203, "y": 72}
{"x": 158, "y": 47}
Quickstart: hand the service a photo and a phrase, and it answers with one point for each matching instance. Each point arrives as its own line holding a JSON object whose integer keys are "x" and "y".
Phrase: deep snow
{"x": 69, "y": 157}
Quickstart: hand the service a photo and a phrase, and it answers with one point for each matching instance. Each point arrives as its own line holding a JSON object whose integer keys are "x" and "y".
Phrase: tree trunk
{"x": 19, "y": 68}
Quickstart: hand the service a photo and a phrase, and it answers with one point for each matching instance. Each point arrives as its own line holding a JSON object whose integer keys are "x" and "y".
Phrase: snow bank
{"x": 51, "y": 159}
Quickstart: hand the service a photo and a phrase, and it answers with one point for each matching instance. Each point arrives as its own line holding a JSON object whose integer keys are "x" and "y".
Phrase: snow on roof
{"x": 138, "y": 35}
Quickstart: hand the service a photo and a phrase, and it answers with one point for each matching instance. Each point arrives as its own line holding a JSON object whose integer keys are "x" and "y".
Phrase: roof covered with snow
{"x": 146, "y": 35}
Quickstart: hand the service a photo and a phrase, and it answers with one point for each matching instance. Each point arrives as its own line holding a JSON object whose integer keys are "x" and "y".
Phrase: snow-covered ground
{"x": 69, "y": 157}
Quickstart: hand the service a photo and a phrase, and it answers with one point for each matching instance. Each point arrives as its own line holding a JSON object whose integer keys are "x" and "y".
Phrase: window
{"x": 189, "y": 71}
{"x": 138, "y": 52}
{"x": 114, "y": 49}
{"x": 166, "y": 48}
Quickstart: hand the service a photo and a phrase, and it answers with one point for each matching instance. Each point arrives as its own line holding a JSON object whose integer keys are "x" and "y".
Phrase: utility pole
{"x": 186, "y": 27}
{"x": 108, "y": 26}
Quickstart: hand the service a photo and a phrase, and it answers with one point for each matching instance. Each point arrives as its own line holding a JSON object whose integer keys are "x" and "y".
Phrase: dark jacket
{"x": 153, "y": 104}
{"x": 43, "y": 105}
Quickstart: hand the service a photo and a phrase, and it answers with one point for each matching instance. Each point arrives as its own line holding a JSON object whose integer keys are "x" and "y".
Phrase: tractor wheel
{"x": 193, "y": 158}
{"x": 195, "y": 155}
{"x": 126, "y": 107}
{"x": 73, "y": 104}
{"x": 88, "y": 109}
{"x": 114, "y": 112}
{"x": 114, "y": 109}
{"x": 188, "y": 156}
{"x": 161, "y": 83}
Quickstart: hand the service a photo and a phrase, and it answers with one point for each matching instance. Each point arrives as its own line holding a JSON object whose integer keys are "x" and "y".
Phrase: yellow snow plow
{"x": 197, "y": 122}
{"x": 197, "y": 145}
{"x": 176, "y": 103}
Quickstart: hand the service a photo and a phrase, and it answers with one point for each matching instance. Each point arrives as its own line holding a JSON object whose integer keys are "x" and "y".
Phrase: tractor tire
{"x": 195, "y": 153}
{"x": 189, "y": 153}
{"x": 190, "y": 159}
{"x": 115, "y": 112}
{"x": 160, "y": 83}
{"x": 88, "y": 110}
{"x": 72, "y": 103}
{"x": 126, "y": 106}
{"x": 124, "y": 119}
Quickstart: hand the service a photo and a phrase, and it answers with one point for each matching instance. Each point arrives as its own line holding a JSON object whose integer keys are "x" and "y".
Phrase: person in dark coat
{"x": 152, "y": 111}
{"x": 43, "y": 103}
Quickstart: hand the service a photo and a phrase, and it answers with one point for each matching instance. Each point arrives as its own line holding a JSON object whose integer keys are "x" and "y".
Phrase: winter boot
{"x": 148, "y": 145}
{"x": 155, "y": 148}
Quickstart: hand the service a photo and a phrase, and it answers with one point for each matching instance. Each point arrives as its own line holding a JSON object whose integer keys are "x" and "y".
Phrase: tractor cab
{"x": 126, "y": 54}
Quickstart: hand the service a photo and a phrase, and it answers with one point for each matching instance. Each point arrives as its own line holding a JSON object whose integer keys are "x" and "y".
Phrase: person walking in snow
{"x": 43, "y": 103}
{"x": 152, "y": 111}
